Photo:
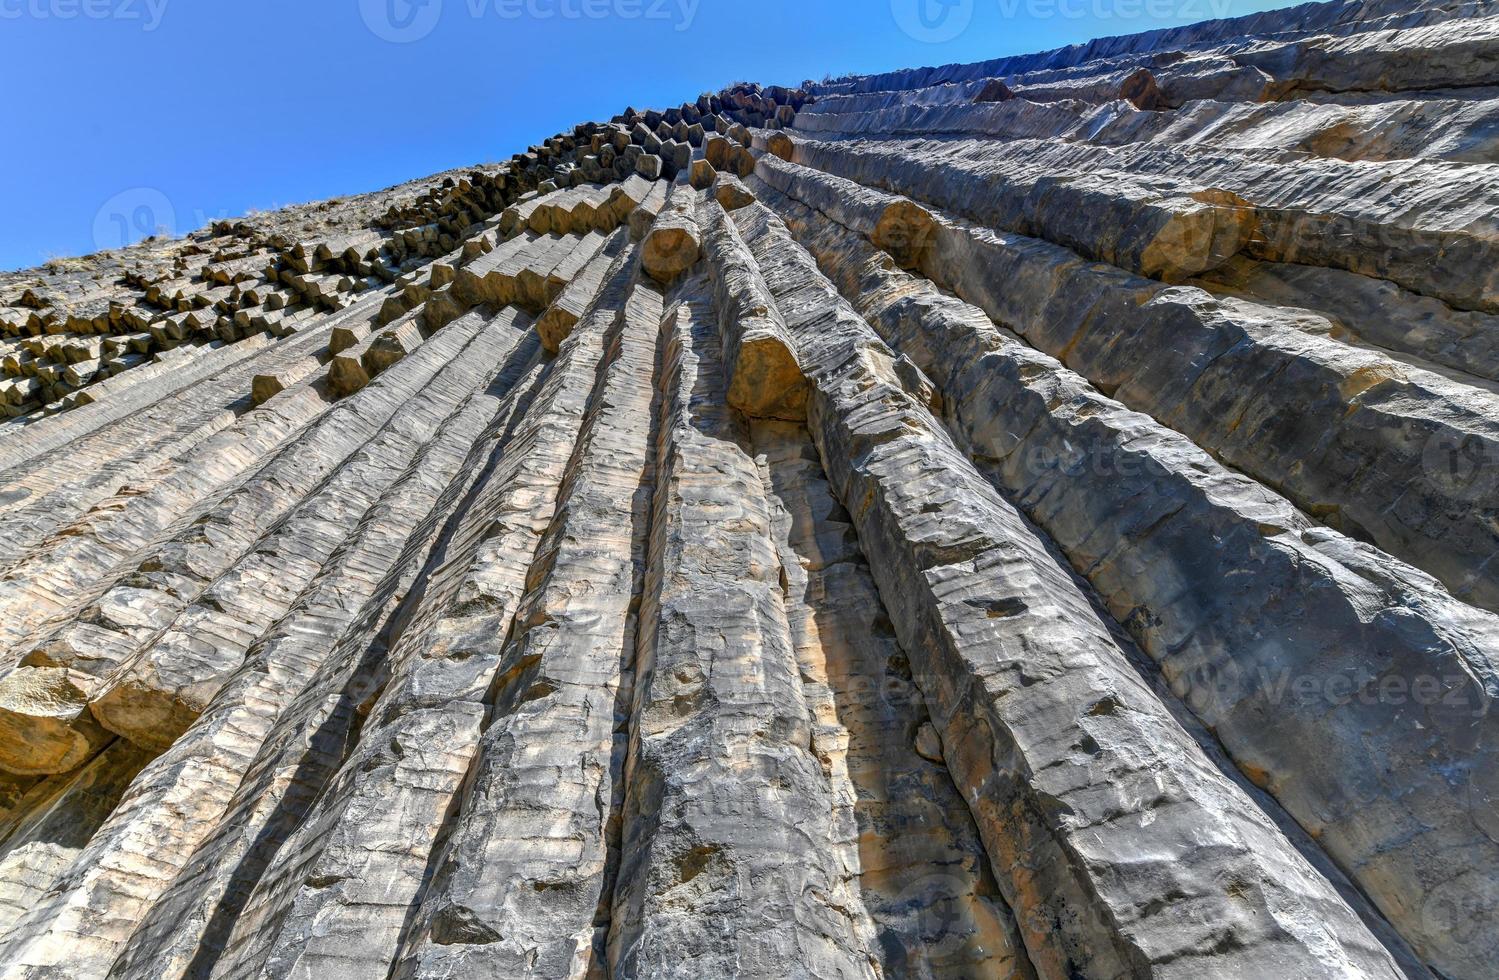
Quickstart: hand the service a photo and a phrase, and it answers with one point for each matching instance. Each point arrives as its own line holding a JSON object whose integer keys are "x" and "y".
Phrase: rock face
{"x": 1034, "y": 519}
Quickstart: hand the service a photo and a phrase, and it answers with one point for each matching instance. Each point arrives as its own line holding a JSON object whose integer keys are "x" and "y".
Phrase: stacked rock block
{"x": 1024, "y": 520}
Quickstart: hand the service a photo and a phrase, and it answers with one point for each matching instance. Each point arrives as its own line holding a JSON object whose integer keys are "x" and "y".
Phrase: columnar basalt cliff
{"x": 1034, "y": 519}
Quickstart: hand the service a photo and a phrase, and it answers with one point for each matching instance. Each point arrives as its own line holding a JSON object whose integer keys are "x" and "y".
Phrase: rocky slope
{"x": 1034, "y": 519}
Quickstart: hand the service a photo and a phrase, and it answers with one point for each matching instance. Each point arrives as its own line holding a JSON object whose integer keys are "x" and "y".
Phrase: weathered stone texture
{"x": 532, "y": 859}
{"x": 1030, "y": 520}
{"x": 719, "y": 715}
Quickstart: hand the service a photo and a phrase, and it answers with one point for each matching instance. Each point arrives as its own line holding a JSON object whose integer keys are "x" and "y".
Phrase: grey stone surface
{"x": 717, "y": 875}
{"x": 1023, "y": 685}
{"x": 533, "y": 857}
{"x": 1030, "y": 520}
{"x": 1127, "y": 501}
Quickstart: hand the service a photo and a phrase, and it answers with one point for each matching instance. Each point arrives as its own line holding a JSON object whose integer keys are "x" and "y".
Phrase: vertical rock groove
{"x": 923, "y": 872}
{"x": 729, "y": 861}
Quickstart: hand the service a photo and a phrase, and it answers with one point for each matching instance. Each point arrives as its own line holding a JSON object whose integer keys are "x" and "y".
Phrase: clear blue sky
{"x": 124, "y": 115}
